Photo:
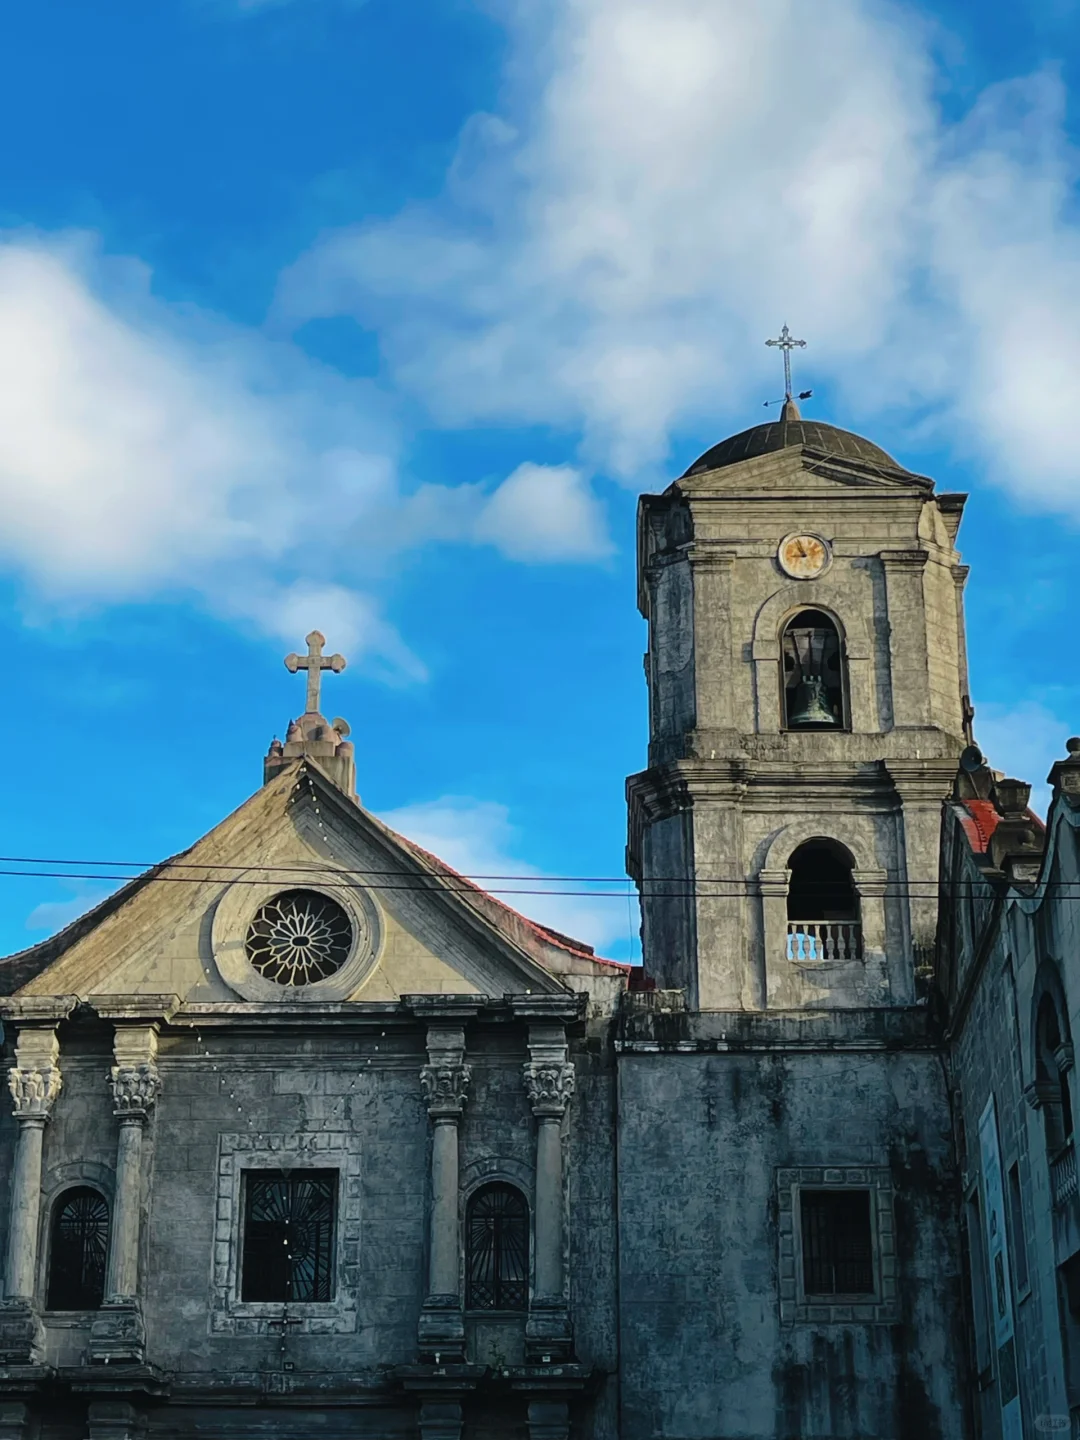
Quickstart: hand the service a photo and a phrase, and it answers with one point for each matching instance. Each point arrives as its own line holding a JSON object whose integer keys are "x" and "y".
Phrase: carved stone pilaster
{"x": 549, "y": 1083}
{"x": 135, "y": 1090}
{"x": 444, "y": 1082}
{"x": 114, "y": 1420}
{"x": 549, "y": 1086}
{"x": 34, "y": 1083}
{"x": 118, "y": 1334}
{"x": 18, "y": 1421}
{"x": 445, "y": 1088}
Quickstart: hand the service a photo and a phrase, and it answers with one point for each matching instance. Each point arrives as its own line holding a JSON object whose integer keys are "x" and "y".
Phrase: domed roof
{"x": 791, "y": 429}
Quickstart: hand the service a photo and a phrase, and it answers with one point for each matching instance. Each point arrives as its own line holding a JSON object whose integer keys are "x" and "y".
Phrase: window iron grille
{"x": 299, "y": 938}
{"x": 79, "y": 1251}
{"x": 837, "y": 1245}
{"x": 497, "y": 1249}
{"x": 288, "y": 1247}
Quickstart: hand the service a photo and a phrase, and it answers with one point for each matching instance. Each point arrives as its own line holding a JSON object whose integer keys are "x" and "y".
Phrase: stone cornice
{"x": 904, "y": 559}
{"x": 548, "y": 1007}
{"x": 139, "y": 1009}
{"x": 37, "y": 1009}
{"x": 908, "y": 1027}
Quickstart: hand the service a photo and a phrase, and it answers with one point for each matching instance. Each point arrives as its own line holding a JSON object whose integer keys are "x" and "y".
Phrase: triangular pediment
{"x": 415, "y": 927}
{"x": 807, "y": 469}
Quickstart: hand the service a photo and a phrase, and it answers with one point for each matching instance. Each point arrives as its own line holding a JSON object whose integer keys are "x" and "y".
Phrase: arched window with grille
{"x": 78, "y": 1250}
{"x": 497, "y": 1249}
{"x": 814, "y": 681}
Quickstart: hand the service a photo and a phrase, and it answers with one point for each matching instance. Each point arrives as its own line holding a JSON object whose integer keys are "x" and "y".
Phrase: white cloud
{"x": 544, "y": 512}
{"x": 666, "y": 184}
{"x": 53, "y": 915}
{"x": 148, "y": 448}
{"x": 478, "y": 840}
{"x": 1023, "y": 741}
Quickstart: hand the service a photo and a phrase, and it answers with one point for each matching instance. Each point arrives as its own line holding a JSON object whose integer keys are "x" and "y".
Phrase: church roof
{"x": 790, "y": 430}
{"x": 980, "y": 818}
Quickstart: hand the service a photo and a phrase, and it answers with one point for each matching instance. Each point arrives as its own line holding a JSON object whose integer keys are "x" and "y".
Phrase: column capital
{"x": 34, "y": 1080}
{"x": 33, "y": 1092}
{"x": 135, "y": 1090}
{"x": 549, "y": 1085}
{"x": 445, "y": 1088}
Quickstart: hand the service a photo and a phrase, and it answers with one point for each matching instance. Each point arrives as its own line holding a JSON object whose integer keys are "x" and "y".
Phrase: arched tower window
{"x": 78, "y": 1250}
{"x": 814, "y": 688}
{"x": 497, "y": 1249}
{"x": 1051, "y": 1075}
{"x": 823, "y": 904}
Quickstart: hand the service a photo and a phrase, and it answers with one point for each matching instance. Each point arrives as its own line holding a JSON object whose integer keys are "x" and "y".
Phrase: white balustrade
{"x": 812, "y": 941}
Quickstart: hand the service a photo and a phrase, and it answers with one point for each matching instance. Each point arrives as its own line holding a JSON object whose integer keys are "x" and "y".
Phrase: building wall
{"x": 1002, "y": 944}
{"x": 703, "y": 1141}
{"x": 237, "y": 1096}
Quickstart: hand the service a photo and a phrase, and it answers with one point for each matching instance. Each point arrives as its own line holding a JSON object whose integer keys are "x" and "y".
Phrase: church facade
{"x": 309, "y": 1135}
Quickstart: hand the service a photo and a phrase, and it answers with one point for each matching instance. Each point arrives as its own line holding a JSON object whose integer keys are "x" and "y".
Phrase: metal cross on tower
{"x": 314, "y": 662}
{"x": 786, "y": 343}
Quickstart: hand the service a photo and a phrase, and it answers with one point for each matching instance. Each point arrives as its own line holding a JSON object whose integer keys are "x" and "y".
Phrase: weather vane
{"x": 787, "y": 343}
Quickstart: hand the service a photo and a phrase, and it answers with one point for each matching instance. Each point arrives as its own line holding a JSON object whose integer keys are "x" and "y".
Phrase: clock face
{"x": 803, "y": 556}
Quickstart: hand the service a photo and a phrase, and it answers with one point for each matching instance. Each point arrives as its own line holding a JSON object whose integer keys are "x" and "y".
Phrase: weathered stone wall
{"x": 701, "y": 1140}
{"x": 232, "y": 1097}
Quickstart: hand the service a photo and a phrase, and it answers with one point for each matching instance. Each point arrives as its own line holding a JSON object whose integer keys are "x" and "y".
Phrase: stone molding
{"x": 135, "y": 1090}
{"x": 910, "y": 559}
{"x": 549, "y": 1086}
{"x": 445, "y": 1089}
{"x": 331, "y": 1150}
{"x": 798, "y": 1308}
{"x": 33, "y": 1091}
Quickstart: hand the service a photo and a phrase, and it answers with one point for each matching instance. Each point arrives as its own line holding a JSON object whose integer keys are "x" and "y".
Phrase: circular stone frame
{"x": 238, "y": 907}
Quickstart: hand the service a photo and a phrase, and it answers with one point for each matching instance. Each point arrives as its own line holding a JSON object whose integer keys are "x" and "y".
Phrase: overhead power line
{"x": 654, "y": 887}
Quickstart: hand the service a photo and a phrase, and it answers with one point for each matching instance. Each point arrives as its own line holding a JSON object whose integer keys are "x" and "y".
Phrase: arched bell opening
{"x": 814, "y": 682}
{"x": 824, "y": 919}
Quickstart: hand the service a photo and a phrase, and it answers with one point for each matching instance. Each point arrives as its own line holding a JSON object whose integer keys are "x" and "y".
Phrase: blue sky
{"x": 378, "y": 316}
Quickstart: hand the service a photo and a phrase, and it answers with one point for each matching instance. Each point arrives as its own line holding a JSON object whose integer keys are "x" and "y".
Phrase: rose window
{"x": 299, "y": 938}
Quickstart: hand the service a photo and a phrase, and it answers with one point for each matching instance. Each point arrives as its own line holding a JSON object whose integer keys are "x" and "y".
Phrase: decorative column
{"x": 118, "y": 1334}
{"x": 34, "y": 1081}
{"x": 549, "y": 1083}
{"x": 444, "y": 1081}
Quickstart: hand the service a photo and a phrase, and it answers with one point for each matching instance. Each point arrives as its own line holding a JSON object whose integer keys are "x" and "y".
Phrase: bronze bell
{"x": 808, "y": 704}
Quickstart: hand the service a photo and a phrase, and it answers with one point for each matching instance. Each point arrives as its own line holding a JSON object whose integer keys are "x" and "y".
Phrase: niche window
{"x": 497, "y": 1249}
{"x": 837, "y": 1242}
{"x": 78, "y": 1250}
{"x": 288, "y": 1240}
{"x": 1052, "y": 1062}
{"x": 822, "y": 904}
{"x": 813, "y": 673}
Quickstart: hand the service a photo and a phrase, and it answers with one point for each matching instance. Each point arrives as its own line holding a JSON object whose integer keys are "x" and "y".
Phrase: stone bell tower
{"x": 807, "y": 704}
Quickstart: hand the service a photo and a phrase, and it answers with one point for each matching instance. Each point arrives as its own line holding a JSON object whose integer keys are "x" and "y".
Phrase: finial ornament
{"x": 787, "y": 343}
{"x": 314, "y": 662}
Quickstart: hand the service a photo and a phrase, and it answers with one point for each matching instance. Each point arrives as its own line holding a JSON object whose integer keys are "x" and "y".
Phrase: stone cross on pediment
{"x": 314, "y": 662}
